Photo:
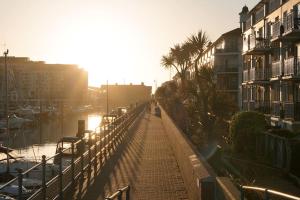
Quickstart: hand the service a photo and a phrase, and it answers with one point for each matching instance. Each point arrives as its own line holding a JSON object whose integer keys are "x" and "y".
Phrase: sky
{"x": 121, "y": 41}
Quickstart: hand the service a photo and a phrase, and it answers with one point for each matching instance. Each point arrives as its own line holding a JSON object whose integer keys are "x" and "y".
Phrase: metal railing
{"x": 276, "y": 108}
{"x": 245, "y": 75}
{"x": 292, "y": 66}
{"x": 267, "y": 193}
{"x": 276, "y": 29}
{"x": 276, "y": 70}
{"x": 97, "y": 149}
{"x": 120, "y": 193}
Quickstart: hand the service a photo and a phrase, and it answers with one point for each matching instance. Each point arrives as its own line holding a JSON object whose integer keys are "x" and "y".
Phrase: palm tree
{"x": 178, "y": 58}
{"x": 196, "y": 45}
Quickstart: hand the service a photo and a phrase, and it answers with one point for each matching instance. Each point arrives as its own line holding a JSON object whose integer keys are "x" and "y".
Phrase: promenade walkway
{"x": 146, "y": 162}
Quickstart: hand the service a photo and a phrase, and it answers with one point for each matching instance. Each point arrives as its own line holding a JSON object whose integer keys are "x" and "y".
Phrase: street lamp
{"x": 6, "y": 92}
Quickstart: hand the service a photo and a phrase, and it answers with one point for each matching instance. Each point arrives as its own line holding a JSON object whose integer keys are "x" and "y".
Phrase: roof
{"x": 237, "y": 31}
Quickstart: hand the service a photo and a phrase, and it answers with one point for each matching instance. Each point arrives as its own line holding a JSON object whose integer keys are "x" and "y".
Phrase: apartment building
{"x": 225, "y": 57}
{"x": 32, "y": 81}
{"x": 271, "y": 67}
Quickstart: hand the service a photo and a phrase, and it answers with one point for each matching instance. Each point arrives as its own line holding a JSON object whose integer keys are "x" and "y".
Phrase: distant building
{"x": 224, "y": 56}
{"x": 32, "y": 81}
{"x": 125, "y": 95}
{"x": 271, "y": 52}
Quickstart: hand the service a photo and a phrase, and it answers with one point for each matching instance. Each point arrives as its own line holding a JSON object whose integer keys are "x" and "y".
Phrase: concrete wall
{"x": 199, "y": 177}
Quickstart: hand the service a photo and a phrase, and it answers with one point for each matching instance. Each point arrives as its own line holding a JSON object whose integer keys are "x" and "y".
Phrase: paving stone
{"x": 146, "y": 163}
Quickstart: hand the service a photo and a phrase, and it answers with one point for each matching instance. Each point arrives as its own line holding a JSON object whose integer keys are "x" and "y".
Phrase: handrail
{"x": 96, "y": 149}
{"x": 119, "y": 194}
{"x": 267, "y": 192}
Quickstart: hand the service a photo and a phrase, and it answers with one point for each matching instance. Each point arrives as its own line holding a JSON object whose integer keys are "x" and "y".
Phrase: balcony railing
{"x": 291, "y": 22}
{"x": 276, "y": 71}
{"x": 276, "y": 29}
{"x": 292, "y": 110}
{"x": 289, "y": 111}
{"x": 292, "y": 66}
{"x": 245, "y": 75}
{"x": 257, "y": 74}
{"x": 257, "y": 45}
{"x": 260, "y": 106}
{"x": 276, "y": 108}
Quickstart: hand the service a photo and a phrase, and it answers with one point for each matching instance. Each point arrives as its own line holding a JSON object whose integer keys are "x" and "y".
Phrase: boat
{"x": 107, "y": 122}
{"x": 5, "y": 197}
{"x": 65, "y": 145}
{"x": 11, "y": 191}
{"x": 16, "y": 122}
{"x": 10, "y": 164}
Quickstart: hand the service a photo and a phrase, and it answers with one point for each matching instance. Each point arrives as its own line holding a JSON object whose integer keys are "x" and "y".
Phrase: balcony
{"x": 246, "y": 75}
{"x": 291, "y": 24}
{"x": 258, "y": 46}
{"x": 276, "y": 30}
{"x": 259, "y": 74}
{"x": 292, "y": 110}
{"x": 276, "y": 110}
{"x": 292, "y": 67}
{"x": 288, "y": 110}
{"x": 276, "y": 71}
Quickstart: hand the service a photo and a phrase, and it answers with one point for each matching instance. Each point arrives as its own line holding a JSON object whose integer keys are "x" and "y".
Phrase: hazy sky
{"x": 117, "y": 40}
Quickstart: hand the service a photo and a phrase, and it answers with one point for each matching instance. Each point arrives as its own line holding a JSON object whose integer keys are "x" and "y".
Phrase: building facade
{"x": 224, "y": 56}
{"x": 33, "y": 81}
{"x": 124, "y": 95}
{"x": 271, "y": 67}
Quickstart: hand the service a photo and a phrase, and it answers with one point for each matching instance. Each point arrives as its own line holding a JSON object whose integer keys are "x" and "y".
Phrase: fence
{"x": 87, "y": 152}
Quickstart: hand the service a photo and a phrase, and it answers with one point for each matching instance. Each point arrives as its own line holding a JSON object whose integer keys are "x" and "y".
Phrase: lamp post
{"x": 6, "y": 92}
{"x": 107, "y": 97}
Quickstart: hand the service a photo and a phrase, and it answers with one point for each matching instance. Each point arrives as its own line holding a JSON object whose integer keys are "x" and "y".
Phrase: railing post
{"x": 242, "y": 193}
{"x": 82, "y": 158}
{"x": 60, "y": 175}
{"x": 89, "y": 152}
{"x": 120, "y": 194}
{"x": 72, "y": 165}
{"x": 20, "y": 184}
{"x": 44, "y": 176}
{"x": 95, "y": 159}
{"x": 128, "y": 193}
{"x": 267, "y": 197}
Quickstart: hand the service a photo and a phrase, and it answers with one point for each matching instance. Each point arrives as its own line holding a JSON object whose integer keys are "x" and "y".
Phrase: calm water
{"x": 35, "y": 142}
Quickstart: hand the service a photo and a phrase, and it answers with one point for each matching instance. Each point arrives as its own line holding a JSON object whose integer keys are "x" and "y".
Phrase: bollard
{"x": 128, "y": 193}
{"x": 20, "y": 184}
{"x": 44, "y": 176}
{"x": 60, "y": 175}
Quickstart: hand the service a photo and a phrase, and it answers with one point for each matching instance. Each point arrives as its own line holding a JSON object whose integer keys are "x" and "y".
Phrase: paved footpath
{"x": 146, "y": 162}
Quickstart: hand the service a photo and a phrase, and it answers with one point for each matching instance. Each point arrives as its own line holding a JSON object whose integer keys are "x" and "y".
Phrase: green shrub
{"x": 244, "y": 128}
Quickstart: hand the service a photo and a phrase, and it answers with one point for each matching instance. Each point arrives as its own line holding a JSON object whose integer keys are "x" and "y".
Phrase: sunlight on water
{"x": 35, "y": 151}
